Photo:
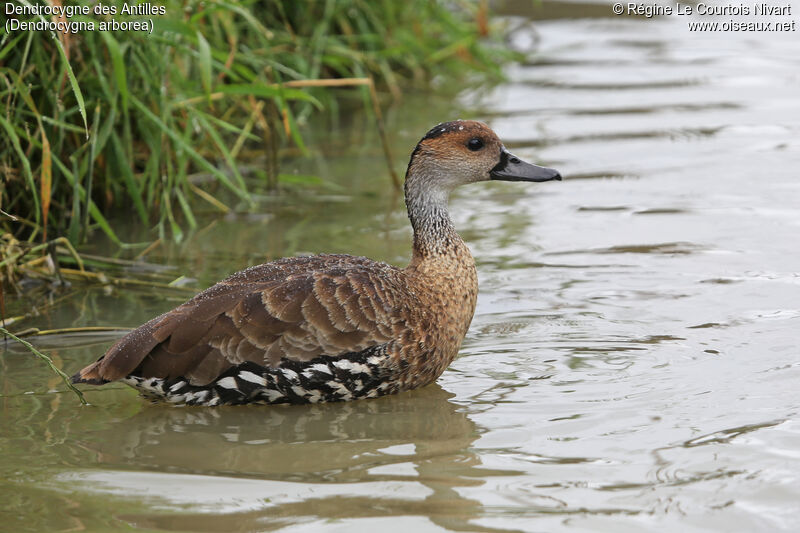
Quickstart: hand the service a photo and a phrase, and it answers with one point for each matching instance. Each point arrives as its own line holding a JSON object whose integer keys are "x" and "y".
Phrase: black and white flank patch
{"x": 323, "y": 379}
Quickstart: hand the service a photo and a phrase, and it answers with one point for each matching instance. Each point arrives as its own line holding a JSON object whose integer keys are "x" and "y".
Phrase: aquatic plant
{"x": 102, "y": 121}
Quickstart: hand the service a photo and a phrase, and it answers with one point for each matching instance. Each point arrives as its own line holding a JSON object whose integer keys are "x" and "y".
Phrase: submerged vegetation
{"x": 96, "y": 121}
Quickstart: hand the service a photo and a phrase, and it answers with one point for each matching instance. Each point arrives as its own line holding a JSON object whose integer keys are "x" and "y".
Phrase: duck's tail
{"x": 89, "y": 375}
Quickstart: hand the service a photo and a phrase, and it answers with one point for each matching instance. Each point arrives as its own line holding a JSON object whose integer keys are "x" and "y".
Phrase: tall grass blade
{"x": 118, "y": 65}
{"x": 268, "y": 91}
{"x": 204, "y": 51}
{"x": 46, "y": 181}
{"x": 74, "y": 82}
{"x": 49, "y": 361}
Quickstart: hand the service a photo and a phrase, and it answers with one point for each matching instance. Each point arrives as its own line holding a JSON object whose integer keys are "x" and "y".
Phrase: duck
{"x": 329, "y": 327}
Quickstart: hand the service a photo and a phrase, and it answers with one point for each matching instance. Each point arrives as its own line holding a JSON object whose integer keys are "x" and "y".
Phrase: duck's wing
{"x": 298, "y": 309}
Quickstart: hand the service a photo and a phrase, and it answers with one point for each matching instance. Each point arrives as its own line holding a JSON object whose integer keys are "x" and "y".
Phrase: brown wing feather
{"x": 297, "y": 308}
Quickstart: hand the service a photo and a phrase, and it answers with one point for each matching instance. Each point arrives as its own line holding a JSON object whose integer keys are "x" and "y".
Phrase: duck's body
{"x": 264, "y": 334}
{"x": 327, "y": 327}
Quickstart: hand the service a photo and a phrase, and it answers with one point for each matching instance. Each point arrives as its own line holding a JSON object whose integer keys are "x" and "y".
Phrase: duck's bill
{"x": 512, "y": 168}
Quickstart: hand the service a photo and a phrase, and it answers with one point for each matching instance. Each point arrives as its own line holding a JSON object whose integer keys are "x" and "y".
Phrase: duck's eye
{"x": 475, "y": 144}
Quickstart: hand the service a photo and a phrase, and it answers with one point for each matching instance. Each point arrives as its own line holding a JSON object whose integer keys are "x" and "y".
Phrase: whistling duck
{"x": 329, "y": 327}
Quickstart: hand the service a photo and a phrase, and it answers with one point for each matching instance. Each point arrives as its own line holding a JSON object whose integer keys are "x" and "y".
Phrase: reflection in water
{"x": 264, "y": 468}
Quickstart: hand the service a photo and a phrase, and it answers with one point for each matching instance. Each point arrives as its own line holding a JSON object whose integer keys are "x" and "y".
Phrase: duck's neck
{"x": 434, "y": 234}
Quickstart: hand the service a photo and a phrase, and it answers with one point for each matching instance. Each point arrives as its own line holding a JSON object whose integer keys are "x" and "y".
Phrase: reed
{"x": 95, "y": 122}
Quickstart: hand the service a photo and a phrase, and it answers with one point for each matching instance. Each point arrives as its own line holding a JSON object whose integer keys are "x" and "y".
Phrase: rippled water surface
{"x": 633, "y": 364}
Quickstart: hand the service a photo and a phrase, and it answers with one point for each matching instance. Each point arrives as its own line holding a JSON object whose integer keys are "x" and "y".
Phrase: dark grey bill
{"x": 512, "y": 168}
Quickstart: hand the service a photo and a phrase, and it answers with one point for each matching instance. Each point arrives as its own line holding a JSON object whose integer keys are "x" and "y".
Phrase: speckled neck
{"x": 434, "y": 233}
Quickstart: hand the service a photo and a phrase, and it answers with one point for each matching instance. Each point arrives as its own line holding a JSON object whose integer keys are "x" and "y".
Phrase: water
{"x": 633, "y": 364}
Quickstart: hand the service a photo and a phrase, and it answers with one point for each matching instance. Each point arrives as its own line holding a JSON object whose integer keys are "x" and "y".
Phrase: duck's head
{"x": 465, "y": 151}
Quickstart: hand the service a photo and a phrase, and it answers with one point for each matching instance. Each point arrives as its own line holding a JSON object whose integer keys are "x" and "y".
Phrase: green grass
{"x": 98, "y": 122}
